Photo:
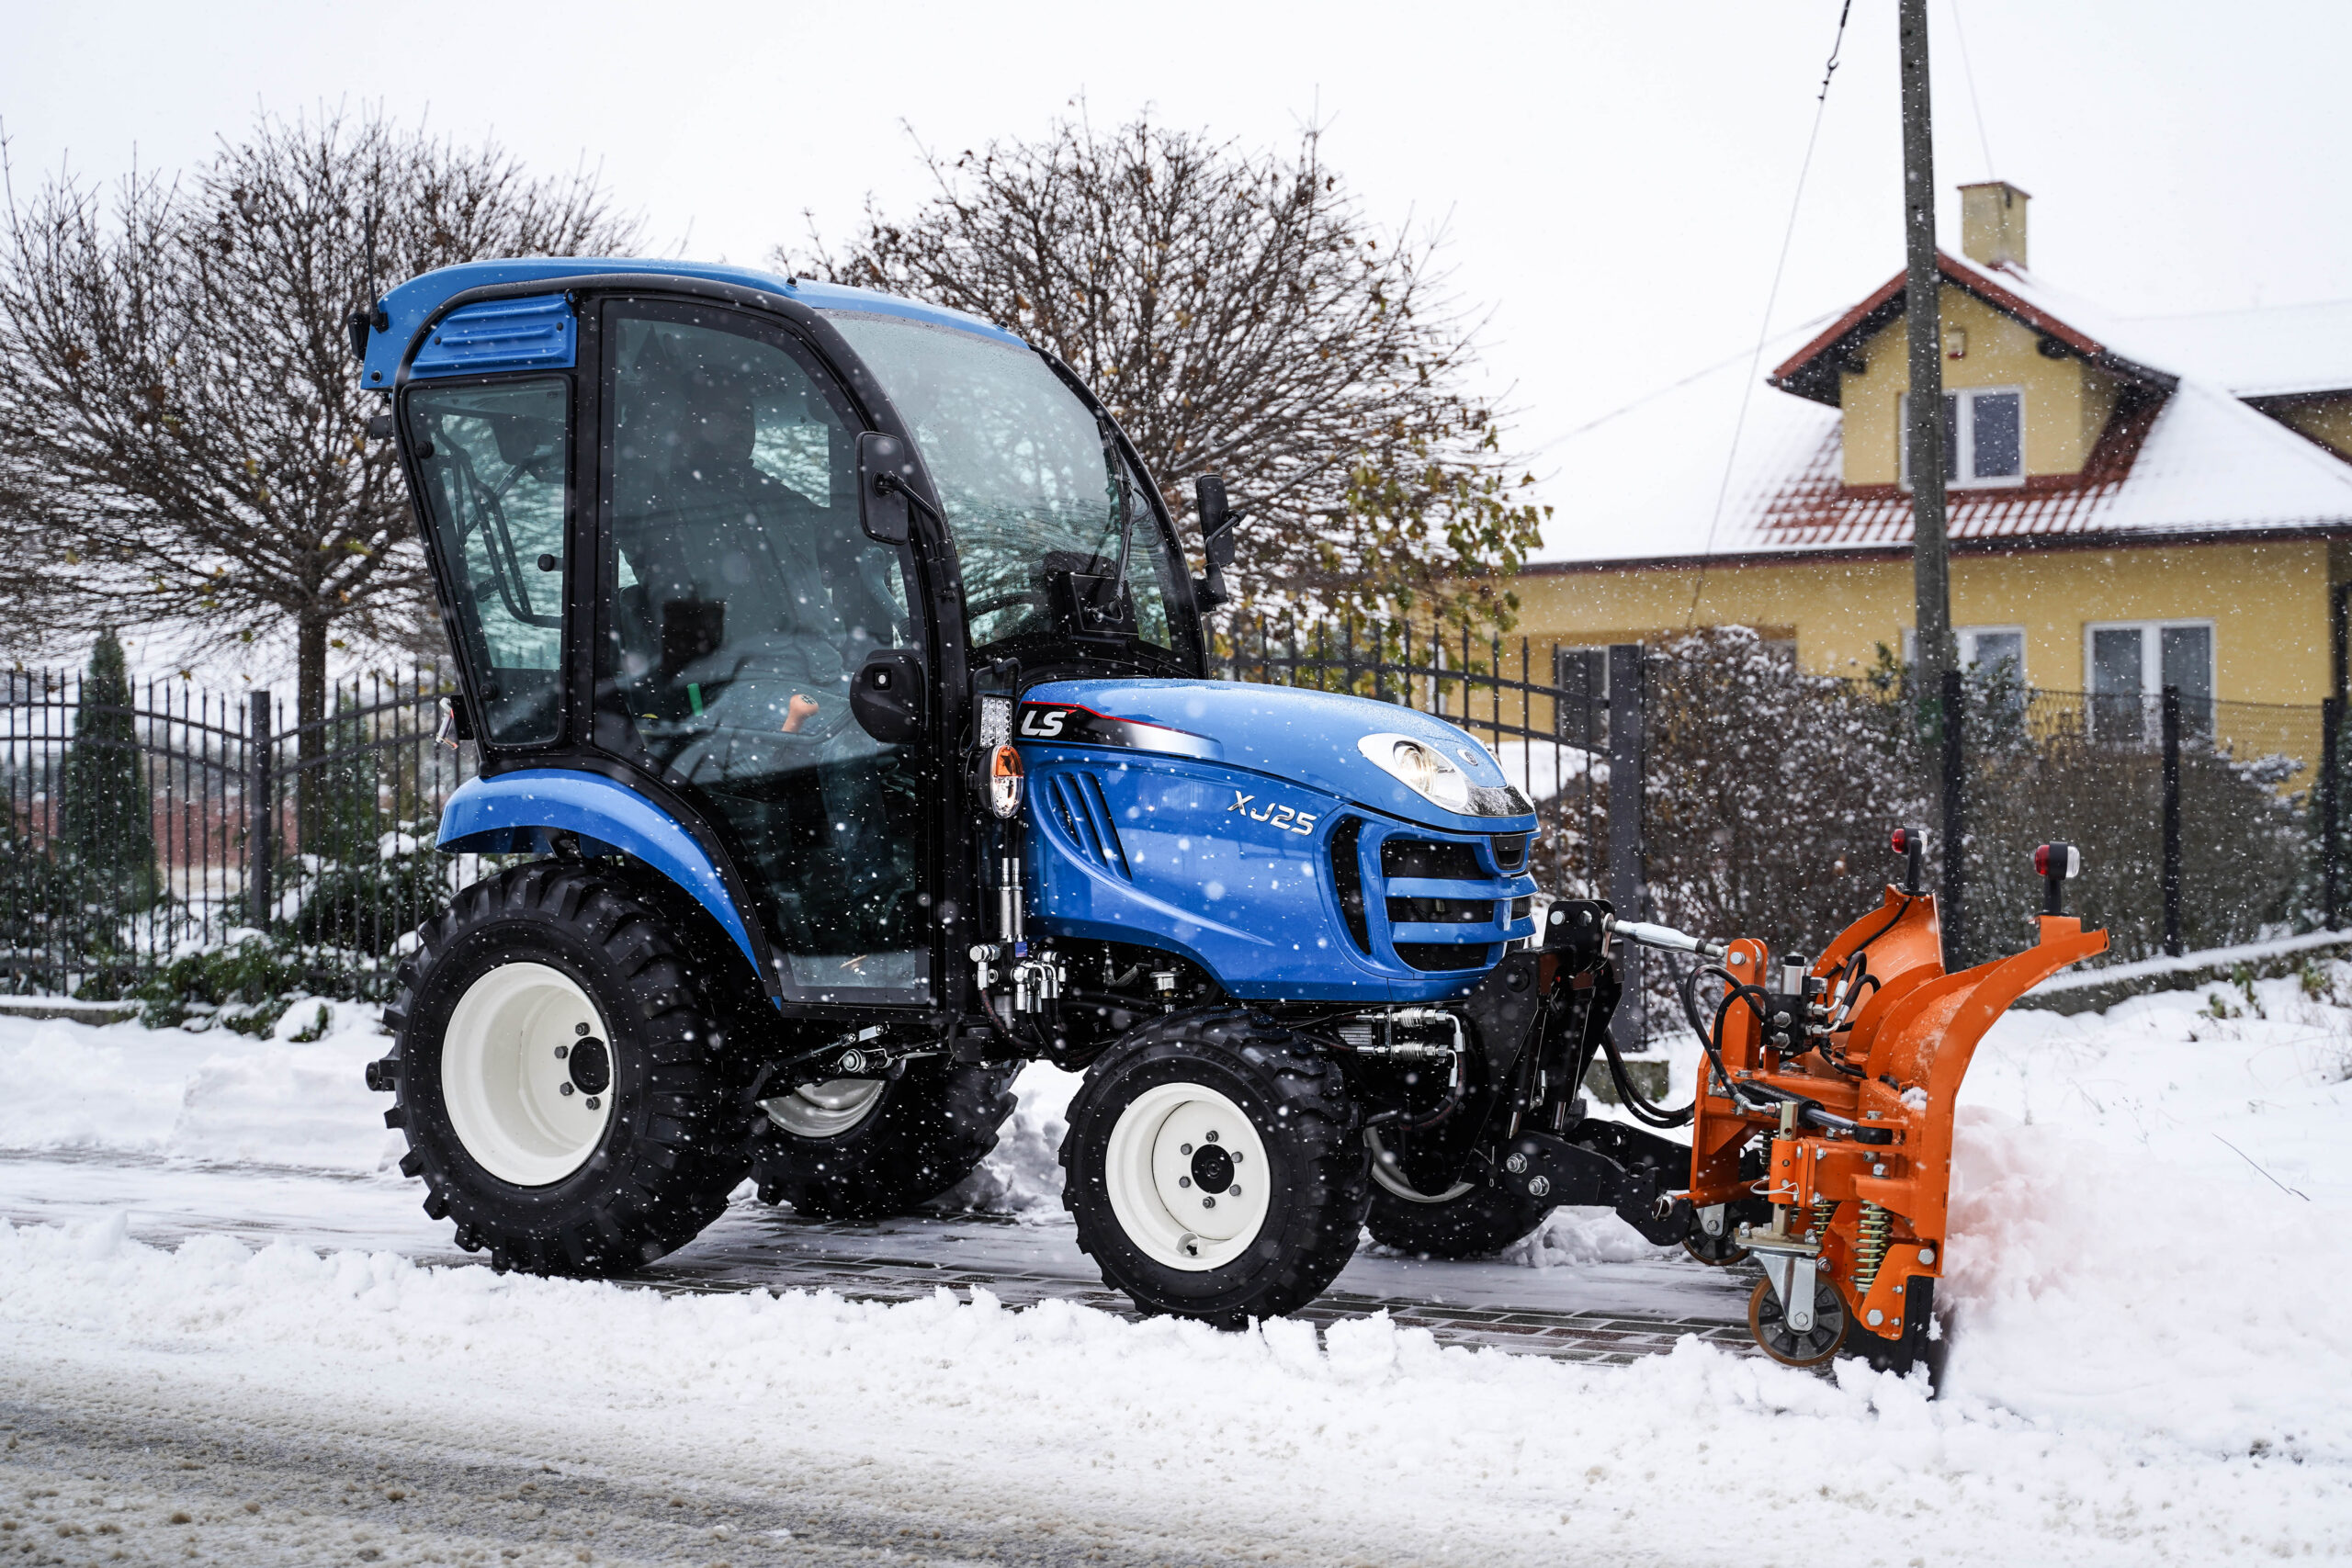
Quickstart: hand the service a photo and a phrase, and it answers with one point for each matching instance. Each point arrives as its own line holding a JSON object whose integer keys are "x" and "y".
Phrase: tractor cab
{"x": 666, "y": 565}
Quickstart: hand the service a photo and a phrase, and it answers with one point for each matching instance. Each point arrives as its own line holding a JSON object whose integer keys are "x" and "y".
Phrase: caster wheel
{"x": 1785, "y": 1344}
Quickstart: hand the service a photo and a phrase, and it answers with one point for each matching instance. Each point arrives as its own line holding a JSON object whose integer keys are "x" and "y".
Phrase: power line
{"x": 1968, "y": 75}
{"x": 1771, "y": 298}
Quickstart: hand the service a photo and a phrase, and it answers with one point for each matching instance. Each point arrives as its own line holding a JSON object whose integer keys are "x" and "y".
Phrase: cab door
{"x": 736, "y": 597}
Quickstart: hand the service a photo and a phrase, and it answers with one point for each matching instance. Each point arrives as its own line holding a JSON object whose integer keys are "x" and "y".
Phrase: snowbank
{"x": 210, "y": 1097}
{"x": 1369, "y": 1440}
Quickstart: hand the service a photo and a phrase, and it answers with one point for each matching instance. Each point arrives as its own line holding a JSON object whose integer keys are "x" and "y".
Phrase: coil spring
{"x": 1869, "y": 1247}
{"x": 1823, "y": 1208}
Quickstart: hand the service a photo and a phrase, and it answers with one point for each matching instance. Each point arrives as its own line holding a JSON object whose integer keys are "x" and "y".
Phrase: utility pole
{"x": 1923, "y": 325}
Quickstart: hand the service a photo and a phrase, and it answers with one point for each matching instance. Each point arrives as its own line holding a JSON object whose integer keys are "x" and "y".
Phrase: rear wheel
{"x": 865, "y": 1149}
{"x": 1212, "y": 1168}
{"x": 557, "y": 1076}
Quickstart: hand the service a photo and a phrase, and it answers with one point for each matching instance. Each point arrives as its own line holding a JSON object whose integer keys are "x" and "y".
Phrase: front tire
{"x": 557, "y": 1076}
{"x": 1214, "y": 1168}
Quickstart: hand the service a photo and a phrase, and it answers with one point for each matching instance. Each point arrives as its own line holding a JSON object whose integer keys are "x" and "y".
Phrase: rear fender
{"x": 522, "y": 812}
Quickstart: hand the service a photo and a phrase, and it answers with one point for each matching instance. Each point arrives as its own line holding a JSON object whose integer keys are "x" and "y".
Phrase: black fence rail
{"x": 191, "y": 849}
{"x": 150, "y": 830}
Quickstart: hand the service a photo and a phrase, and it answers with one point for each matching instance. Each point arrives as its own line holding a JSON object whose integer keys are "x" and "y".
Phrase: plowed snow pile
{"x": 2142, "y": 1361}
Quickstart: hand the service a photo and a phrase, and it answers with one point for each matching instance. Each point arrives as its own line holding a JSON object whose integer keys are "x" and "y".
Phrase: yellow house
{"x": 2132, "y": 503}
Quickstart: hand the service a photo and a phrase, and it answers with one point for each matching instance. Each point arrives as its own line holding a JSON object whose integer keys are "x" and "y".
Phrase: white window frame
{"x": 1964, "y": 636}
{"x": 1967, "y": 636}
{"x": 2152, "y": 663}
{"x": 1964, "y": 476}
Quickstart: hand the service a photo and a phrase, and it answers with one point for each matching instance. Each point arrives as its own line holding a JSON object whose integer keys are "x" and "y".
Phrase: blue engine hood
{"x": 1286, "y": 732}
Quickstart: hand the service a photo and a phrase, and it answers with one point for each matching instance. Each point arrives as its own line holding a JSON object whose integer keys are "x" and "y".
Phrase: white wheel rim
{"x": 509, "y": 1058}
{"x": 1181, "y": 1204}
{"x": 824, "y": 1109}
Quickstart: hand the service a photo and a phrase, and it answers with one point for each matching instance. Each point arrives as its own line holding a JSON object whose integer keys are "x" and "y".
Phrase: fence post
{"x": 261, "y": 793}
{"x": 2172, "y": 821}
{"x": 1628, "y": 704}
{"x": 2331, "y": 719}
{"x": 1951, "y": 906}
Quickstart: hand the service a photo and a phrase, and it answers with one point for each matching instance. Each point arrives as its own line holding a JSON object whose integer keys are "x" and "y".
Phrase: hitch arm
{"x": 1553, "y": 1170}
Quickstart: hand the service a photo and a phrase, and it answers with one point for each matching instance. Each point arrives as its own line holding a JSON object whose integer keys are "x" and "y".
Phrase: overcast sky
{"x": 1615, "y": 180}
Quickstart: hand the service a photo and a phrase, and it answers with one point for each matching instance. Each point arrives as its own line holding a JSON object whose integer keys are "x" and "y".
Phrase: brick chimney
{"x": 1991, "y": 223}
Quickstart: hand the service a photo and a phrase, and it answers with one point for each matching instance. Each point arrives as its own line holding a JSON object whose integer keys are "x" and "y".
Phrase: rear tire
{"x": 557, "y": 1076}
{"x": 847, "y": 1151}
{"x": 1203, "y": 1108}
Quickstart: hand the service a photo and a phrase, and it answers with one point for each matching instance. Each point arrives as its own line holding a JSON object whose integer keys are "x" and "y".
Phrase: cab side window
{"x": 496, "y": 460}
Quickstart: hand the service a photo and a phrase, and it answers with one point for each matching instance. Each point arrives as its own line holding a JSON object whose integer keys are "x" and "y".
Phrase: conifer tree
{"x": 106, "y": 828}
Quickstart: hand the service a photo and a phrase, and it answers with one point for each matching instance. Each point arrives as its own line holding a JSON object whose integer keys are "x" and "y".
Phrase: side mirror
{"x": 887, "y": 695}
{"x": 884, "y": 465}
{"x": 1220, "y": 524}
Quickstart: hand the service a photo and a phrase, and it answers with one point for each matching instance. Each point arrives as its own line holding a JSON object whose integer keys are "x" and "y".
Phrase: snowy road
{"x": 1605, "y": 1310}
{"x": 208, "y": 1261}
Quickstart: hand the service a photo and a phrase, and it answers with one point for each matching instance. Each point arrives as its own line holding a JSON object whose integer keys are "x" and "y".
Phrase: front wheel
{"x": 1214, "y": 1169}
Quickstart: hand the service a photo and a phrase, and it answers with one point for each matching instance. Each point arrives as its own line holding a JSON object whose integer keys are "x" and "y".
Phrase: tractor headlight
{"x": 1420, "y": 767}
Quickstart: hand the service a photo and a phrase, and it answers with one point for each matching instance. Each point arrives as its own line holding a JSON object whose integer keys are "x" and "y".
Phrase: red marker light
{"x": 1901, "y": 841}
{"x": 2042, "y": 860}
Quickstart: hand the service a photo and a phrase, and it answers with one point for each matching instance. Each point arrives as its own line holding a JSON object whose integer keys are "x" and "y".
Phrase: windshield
{"x": 1022, "y": 476}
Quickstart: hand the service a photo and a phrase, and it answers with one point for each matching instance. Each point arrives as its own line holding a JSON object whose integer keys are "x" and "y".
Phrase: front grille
{"x": 1441, "y": 911}
{"x": 1347, "y": 880}
{"x": 1511, "y": 850}
{"x": 1439, "y": 861}
{"x": 1522, "y": 908}
{"x": 1443, "y": 954}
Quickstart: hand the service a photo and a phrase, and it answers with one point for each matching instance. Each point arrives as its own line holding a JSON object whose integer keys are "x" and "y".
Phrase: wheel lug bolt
{"x": 561, "y": 1052}
{"x": 1183, "y": 1181}
{"x": 1235, "y": 1155}
{"x": 1211, "y": 1136}
{"x": 563, "y": 1088}
{"x": 1208, "y": 1203}
{"x": 1183, "y": 1148}
{"x": 593, "y": 1102}
{"x": 1235, "y": 1189}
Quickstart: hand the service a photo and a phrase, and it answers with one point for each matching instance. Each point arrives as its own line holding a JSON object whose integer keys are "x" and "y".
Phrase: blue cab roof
{"x": 410, "y": 305}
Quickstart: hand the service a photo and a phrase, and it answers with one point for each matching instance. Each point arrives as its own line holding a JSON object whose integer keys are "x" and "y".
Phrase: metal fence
{"x": 146, "y": 827}
{"x": 146, "y": 831}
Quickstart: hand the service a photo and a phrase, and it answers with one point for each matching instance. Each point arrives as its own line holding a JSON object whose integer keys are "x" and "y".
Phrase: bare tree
{"x": 182, "y": 429}
{"x": 1240, "y": 315}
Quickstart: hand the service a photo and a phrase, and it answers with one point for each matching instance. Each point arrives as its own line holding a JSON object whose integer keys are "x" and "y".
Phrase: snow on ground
{"x": 2143, "y": 1361}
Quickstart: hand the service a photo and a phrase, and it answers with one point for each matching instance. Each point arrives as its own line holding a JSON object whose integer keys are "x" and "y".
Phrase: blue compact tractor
{"x": 840, "y": 682}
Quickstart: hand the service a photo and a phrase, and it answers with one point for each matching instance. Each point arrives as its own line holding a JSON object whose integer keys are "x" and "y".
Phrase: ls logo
{"x": 1043, "y": 723}
{"x": 1281, "y": 817}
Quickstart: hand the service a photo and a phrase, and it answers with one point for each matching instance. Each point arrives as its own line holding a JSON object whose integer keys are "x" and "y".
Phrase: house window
{"x": 1997, "y": 652}
{"x": 1984, "y": 436}
{"x": 1994, "y": 652}
{"x": 2127, "y": 667}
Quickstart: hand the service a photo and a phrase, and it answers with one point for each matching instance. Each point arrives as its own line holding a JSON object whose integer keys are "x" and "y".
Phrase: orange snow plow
{"x": 1847, "y": 1071}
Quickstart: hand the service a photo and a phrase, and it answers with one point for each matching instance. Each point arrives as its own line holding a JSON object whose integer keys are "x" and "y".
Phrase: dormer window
{"x": 1984, "y": 436}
